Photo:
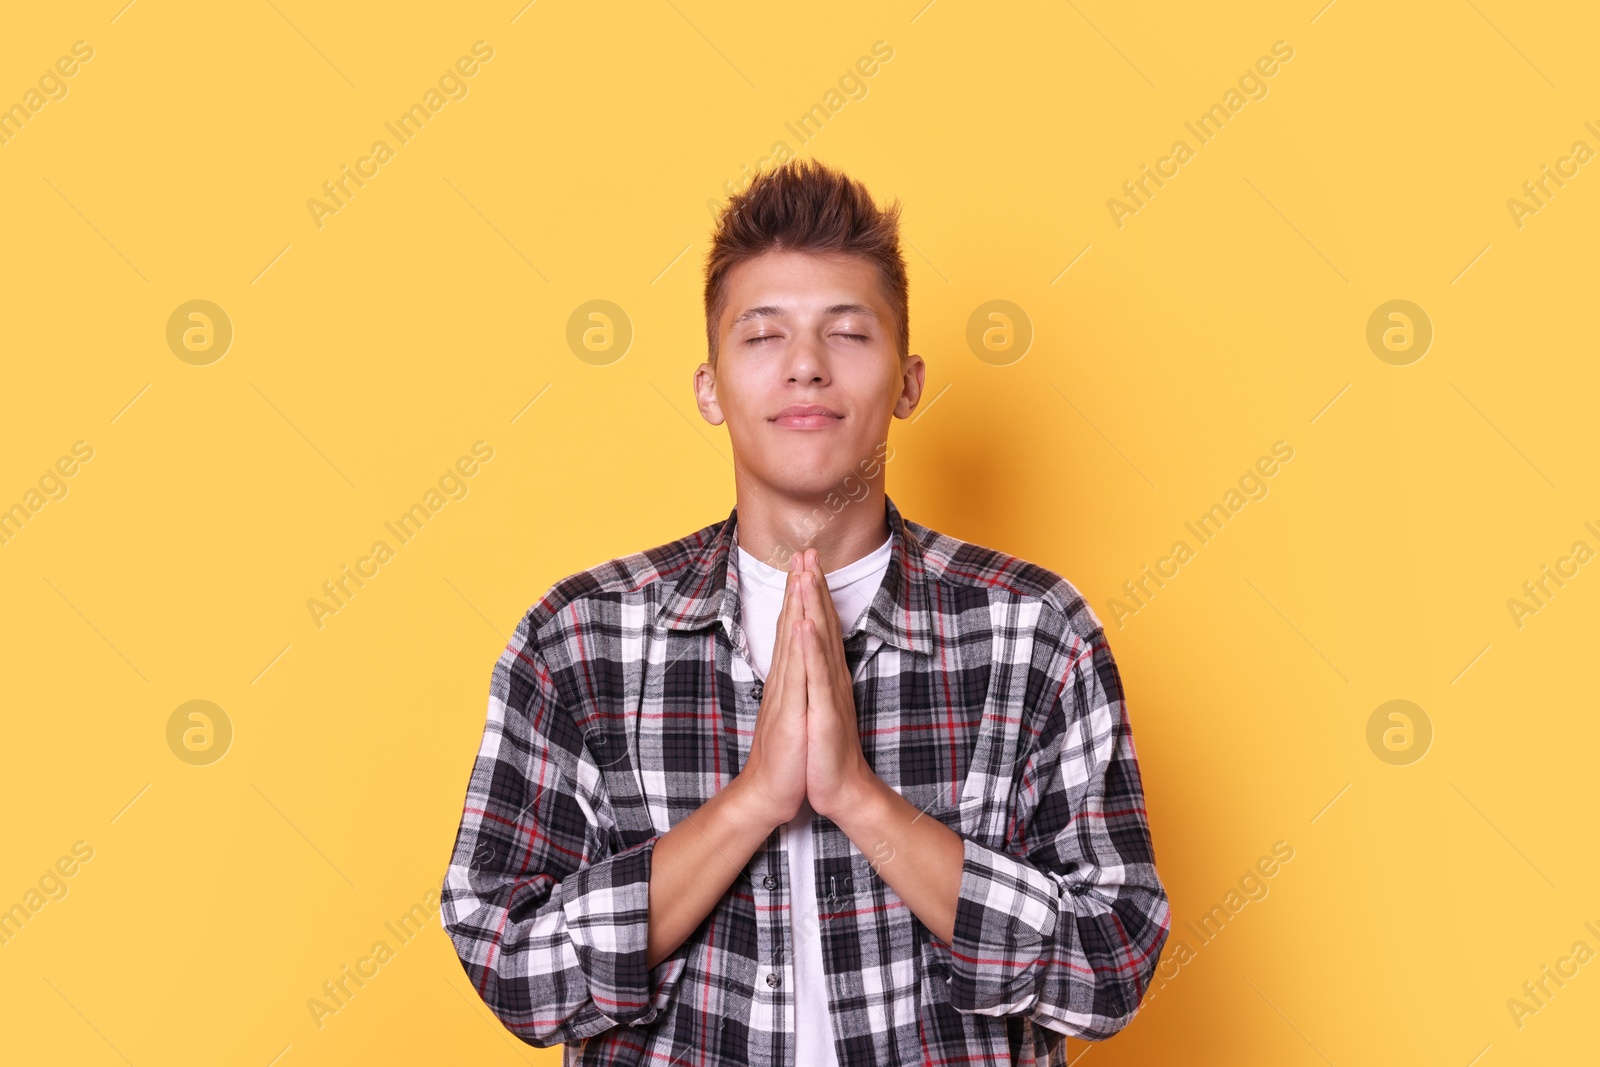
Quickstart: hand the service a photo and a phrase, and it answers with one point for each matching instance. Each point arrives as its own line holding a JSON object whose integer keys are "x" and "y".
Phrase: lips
{"x": 807, "y": 417}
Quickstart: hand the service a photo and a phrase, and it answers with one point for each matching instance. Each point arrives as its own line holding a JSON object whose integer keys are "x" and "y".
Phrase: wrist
{"x": 750, "y": 805}
{"x": 863, "y": 804}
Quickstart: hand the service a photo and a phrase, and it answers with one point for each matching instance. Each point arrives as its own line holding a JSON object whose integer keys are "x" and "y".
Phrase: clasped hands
{"x": 806, "y": 745}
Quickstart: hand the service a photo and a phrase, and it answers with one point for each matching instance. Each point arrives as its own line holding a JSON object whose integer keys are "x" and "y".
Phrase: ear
{"x": 705, "y": 394}
{"x": 911, "y": 383}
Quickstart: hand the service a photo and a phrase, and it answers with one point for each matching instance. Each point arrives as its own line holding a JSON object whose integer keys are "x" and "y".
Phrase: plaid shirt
{"x": 986, "y": 696}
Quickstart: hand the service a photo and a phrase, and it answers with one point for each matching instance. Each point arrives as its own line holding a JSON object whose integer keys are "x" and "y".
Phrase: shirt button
{"x": 770, "y": 882}
{"x": 755, "y": 690}
{"x": 772, "y": 978}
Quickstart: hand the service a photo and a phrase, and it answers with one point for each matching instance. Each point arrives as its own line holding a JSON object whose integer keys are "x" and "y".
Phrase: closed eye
{"x": 763, "y": 337}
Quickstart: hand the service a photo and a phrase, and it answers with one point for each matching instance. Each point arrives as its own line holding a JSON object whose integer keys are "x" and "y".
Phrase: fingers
{"x": 828, "y": 622}
{"x": 791, "y": 587}
{"x": 795, "y": 673}
{"x": 819, "y": 683}
{"x": 819, "y": 610}
{"x": 786, "y": 616}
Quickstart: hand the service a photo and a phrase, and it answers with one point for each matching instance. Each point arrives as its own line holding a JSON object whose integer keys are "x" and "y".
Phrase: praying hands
{"x": 807, "y": 747}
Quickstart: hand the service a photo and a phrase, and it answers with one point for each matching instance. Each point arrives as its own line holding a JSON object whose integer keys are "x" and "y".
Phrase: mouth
{"x": 807, "y": 417}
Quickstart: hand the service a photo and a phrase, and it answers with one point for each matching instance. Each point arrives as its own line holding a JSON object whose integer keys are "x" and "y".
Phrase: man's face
{"x": 806, "y": 331}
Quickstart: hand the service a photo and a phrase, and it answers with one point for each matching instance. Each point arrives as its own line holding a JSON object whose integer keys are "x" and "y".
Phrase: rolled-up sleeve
{"x": 551, "y": 926}
{"x": 1067, "y": 924}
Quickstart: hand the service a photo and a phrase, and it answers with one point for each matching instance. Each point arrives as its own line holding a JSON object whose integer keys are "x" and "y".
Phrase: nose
{"x": 807, "y": 360}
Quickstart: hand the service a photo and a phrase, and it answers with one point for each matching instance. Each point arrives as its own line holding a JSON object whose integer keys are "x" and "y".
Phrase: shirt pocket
{"x": 661, "y": 742}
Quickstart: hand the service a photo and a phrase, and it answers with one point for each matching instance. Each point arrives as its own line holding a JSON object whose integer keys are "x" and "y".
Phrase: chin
{"x": 816, "y": 481}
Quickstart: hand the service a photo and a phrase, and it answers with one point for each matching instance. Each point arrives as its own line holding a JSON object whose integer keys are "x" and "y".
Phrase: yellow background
{"x": 1228, "y": 313}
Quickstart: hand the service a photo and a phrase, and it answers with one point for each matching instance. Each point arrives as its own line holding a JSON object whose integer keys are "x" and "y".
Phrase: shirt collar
{"x": 707, "y": 590}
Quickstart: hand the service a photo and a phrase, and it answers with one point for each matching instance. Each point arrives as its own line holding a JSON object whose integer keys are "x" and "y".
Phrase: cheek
{"x": 873, "y": 391}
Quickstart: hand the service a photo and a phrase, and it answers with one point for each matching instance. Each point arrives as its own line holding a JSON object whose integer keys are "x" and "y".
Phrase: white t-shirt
{"x": 852, "y": 588}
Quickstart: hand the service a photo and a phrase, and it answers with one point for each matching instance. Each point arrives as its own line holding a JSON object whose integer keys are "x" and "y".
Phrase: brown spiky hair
{"x": 806, "y": 206}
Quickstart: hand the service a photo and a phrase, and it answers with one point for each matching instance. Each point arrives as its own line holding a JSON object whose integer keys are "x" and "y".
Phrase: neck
{"x": 771, "y": 525}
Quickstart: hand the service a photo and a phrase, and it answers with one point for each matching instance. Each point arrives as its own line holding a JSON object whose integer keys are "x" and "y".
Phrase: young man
{"x": 814, "y": 784}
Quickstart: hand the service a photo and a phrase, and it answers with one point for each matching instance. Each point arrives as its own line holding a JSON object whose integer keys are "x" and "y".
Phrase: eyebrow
{"x": 770, "y": 310}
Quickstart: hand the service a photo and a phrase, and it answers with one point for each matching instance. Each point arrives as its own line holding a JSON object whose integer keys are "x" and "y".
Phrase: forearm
{"x": 695, "y": 862}
{"x": 917, "y": 855}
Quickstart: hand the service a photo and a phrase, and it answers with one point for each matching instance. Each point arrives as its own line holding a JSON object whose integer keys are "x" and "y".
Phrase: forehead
{"x": 803, "y": 283}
